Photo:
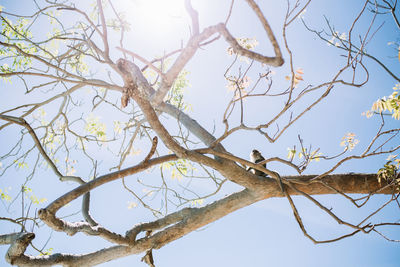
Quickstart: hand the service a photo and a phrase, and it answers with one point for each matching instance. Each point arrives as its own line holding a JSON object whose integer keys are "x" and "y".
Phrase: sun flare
{"x": 163, "y": 14}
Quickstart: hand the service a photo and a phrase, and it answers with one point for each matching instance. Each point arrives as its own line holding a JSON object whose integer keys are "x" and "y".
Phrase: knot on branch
{"x": 123, "y": 66}
{"x": 125, "y": 98}
{"x": 51, "y": 220}
{"x": 129, "y": 90}
{"x": 130, "y": 74}
{"x": 43, "y": 214}
{"x": 18, "y": 247}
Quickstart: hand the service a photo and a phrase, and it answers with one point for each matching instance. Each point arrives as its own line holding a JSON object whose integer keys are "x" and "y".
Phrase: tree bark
{"x": 178, "y": 224}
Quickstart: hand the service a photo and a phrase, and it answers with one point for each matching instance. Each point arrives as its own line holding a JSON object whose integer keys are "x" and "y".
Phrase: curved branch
{"x": 22, "y": 122}
{"x": 268, "y": 30}
{"x": 79, "y": 191}
{"x": 272, "y": 61}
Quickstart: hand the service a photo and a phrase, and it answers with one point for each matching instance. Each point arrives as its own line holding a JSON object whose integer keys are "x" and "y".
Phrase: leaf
{"x": 349, "y": 141}
{"x": 132, "y": 204}
{"x": 298, "y": 77}
{"x": 117, "y": 127}
{"x": 197, "y": 202}
{"x": 390, "y": 157}
{"x": 291, "y": 153}
{"x": 396, "y": 115}
{"x": 95, "y": 127}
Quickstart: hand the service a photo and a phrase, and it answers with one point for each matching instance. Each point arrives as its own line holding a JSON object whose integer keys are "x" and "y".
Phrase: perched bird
{"x": 256, "y": 157}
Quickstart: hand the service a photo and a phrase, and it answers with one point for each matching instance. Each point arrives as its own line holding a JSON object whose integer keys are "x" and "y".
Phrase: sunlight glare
{"x": 160, "y": 14}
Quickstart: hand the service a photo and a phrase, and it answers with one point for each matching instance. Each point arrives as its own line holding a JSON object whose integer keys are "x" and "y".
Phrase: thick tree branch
{"x": 189, "y": 219}
{"x": 19, "y": 242}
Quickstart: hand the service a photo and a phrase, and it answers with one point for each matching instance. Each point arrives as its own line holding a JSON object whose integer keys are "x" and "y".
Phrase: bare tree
{"x": 86, "y": 66}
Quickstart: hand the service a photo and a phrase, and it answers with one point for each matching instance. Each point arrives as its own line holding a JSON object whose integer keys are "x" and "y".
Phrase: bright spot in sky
{"x": 156, "y": 25}
{"x": 159, "y": 14}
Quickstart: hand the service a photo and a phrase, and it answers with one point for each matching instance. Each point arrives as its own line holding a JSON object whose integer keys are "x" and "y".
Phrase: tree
{"x": 88, "y": 73}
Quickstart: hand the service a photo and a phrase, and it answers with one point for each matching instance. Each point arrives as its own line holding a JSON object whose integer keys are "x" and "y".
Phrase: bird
{"x": 256, "y": 157}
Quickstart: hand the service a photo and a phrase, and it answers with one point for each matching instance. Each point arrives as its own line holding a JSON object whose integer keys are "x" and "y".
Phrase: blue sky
{"x": 265, "y": 233}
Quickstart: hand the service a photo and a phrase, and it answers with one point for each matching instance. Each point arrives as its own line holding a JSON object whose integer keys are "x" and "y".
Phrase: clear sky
{"x": 266, "y": 233}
